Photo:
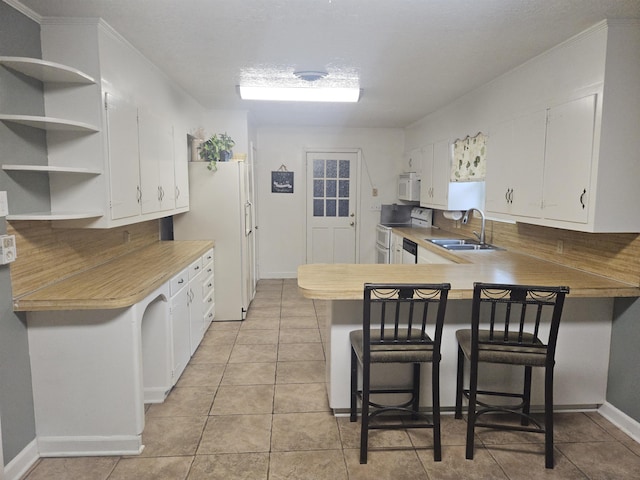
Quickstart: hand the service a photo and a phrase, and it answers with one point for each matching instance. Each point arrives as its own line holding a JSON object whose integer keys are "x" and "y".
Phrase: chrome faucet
{"x": 465, "y": 219}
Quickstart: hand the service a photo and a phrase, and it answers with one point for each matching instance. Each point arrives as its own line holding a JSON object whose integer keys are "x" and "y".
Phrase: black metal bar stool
{"x": 401, "y": 323}
{"x": 514, "y": 319}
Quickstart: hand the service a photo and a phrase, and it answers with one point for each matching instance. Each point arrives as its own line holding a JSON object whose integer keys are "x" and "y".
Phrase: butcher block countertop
{"x": 119, "y": 283}
{"x": 345, "y": 281}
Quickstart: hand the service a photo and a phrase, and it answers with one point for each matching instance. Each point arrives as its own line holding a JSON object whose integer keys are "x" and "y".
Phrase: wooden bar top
{"x": 346, "y": 281}
{"x": 119, "y": 283}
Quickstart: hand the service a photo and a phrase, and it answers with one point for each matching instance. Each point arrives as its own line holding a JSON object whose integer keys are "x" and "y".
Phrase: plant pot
{"x": 225, "y": 155}
{"x": 195, "y": 149}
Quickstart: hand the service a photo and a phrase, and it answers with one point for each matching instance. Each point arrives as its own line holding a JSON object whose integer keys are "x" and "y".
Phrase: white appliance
{"x": 409, "y": 187}
{"x": 420, "y": 217}
{"x": 222, "y": 210}
{"x": 383, "y": 244}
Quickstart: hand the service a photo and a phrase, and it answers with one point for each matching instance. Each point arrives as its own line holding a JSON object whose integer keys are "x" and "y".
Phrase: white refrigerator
{"x": 222, "y": 210}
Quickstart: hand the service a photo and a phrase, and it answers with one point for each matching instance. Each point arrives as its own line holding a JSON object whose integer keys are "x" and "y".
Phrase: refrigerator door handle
{"x": 248, "y": 218}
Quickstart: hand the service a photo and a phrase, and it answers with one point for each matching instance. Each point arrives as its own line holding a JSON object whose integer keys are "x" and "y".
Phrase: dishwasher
{"x": 409, "y": 251}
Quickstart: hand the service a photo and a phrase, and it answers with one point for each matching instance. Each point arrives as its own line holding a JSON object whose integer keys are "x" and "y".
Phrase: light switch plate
{"x": 4, "y": 205}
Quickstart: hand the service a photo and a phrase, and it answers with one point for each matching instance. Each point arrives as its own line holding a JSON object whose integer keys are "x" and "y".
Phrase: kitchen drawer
{"x": 208, "y": 300}
{"x": 207, "y": 257}
{"x": 179, "y": 281}
{"x": 207, "y": 287}
{"x": 208, "y": 269}
{"x": 195, "y": 268}
{"x": 209, "y": 316}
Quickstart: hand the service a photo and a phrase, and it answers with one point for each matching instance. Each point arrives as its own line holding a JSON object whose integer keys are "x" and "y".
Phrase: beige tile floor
{"x": 252, "y": 405}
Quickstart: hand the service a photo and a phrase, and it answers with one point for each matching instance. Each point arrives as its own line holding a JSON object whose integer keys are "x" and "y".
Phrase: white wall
{"x": 232, "y": 122}
{"x": 564, "y": 72}
{"x": 282, "y": 217}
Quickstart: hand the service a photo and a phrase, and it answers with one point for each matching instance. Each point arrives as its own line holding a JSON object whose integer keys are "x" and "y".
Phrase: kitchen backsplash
{"x": 613, "y": 255}
{"x": 47, "y": 254}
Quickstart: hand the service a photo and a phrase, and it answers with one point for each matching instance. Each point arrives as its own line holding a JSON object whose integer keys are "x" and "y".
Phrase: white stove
{"x": 420, "y": 217}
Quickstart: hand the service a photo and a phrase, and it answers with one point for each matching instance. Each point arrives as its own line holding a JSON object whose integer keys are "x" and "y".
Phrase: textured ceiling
{"x": 412, "y": 56}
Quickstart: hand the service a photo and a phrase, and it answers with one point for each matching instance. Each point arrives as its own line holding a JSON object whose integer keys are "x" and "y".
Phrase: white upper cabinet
{"x": 135, "y": 108}
{"x": 181, "y": 170}
{"x": 412, "y": 161}
{"x": 514, "y": 170}
{"x": 122, "y": 133}
{"x": 568, "y": 160}
{"x": 573, "y": 162}
{"x": 436, "y": 167}
{"x": 155, "y": 140}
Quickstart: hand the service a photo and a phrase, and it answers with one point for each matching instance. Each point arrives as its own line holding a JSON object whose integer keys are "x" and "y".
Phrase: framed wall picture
{"x": 281, "y": 182}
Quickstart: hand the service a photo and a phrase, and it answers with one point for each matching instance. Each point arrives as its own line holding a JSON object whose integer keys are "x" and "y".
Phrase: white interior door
{"x": 332, "y": 207}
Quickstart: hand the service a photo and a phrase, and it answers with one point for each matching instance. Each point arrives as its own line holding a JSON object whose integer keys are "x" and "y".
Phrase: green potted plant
{"x": 216, "y": 149}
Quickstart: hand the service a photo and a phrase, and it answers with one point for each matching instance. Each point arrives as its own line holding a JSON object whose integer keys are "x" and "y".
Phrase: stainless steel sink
{"x": 465, "y": 247}
{"x": 462, "y": 244}
{"x": 453, "y": 241}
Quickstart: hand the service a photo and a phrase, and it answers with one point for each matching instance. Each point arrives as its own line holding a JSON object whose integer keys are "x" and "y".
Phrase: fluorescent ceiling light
{"x": 301, "y": 94}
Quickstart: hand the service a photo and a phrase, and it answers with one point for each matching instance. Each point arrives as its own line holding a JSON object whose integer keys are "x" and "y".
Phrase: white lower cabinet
{"x": 195, "y": 304}
{"x": 192, "y": 310}
{"x": 208, "y": 298}
{"x": 396, "y": 248}
{"x": 181, "y": 341}
{"x": 427, "y": 256}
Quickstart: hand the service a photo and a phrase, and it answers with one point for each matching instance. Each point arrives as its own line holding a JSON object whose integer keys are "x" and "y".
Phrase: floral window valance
{"x": 469, "y": 159}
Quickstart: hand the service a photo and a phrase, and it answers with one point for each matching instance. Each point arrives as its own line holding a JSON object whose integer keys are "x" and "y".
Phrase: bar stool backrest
{"x": 403, "y": 316}
{"x": 516, "y": 317}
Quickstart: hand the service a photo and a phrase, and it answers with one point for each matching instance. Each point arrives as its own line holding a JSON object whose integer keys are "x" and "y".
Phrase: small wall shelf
{"x": 50, "y": 169}
{"x": 49, "y": 123}
{"x": 48, "y": 72}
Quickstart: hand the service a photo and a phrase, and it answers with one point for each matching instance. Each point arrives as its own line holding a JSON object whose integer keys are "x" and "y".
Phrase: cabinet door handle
{"x": 139, "y": 194}
{"x": 177, "y": 192}
{"x": 511, "y": 195}
{"x": 506, "y": 195}
{"x": 584, "y": 192}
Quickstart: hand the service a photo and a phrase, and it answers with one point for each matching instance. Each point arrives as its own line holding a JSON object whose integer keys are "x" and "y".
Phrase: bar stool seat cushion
{"x": 500, "y": 353}
{"x": 394, "y": 352}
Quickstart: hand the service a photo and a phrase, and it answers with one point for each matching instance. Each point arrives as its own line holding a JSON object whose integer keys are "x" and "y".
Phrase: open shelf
{"x": 54, "y": 215}
{"x": 50, "y": 169}
{"x": 46, "y": 71}
{"x": 49, "y": 123}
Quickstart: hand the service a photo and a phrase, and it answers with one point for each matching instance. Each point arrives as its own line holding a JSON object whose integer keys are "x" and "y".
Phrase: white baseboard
{"x": 621, "y": 420}
{"x": 22, "y": 462}
{"x": 90, "y": 446}
{"x": 156, "y": 394}
{"x": 277, "y": 275}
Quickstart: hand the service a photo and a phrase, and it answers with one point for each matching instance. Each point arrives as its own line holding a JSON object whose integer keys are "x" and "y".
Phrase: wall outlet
{"x": 7, "y": 249}
{"x": 4, "y": 205}
{"x": 374, "y": 192}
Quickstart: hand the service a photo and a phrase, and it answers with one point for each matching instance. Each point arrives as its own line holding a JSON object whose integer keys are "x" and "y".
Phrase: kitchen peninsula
{"x": 583, "y": 344}
{"x": 103, "y": 342}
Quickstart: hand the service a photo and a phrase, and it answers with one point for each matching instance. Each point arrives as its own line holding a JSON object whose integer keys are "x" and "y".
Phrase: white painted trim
{"x": 22, "y": 462}
{"x": 90, "y": 446}
{"x": 24, "y": 10}
{"x": 621, "y": 420}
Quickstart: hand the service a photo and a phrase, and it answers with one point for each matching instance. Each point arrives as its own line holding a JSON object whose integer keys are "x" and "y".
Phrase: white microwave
{"x": 409, "y": 187}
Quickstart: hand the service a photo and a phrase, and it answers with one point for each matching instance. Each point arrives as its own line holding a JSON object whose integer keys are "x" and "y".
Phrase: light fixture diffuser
{"x": 301, "y": 94}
